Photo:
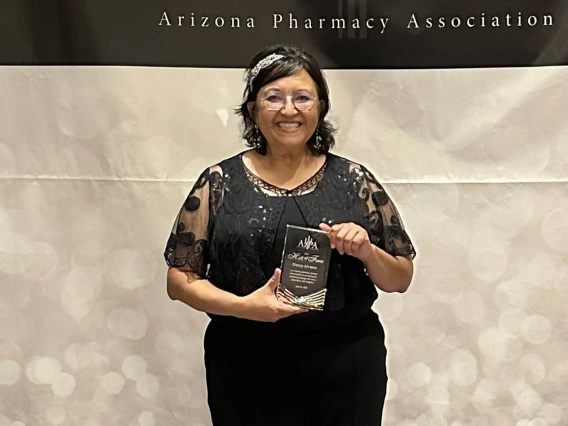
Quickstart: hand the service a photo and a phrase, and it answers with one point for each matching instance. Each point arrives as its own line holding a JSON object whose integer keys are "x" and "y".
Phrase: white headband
{"x": 265, "y": 62}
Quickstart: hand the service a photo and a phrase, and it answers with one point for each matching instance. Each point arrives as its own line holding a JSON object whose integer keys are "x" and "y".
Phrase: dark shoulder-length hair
{"x": 295, "y": 60}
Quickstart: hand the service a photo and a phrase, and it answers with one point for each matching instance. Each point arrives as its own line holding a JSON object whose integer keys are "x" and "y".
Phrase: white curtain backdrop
{"x": 96, "y": 161}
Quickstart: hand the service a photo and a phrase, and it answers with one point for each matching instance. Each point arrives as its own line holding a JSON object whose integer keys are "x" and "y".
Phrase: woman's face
{"x": 288, "y": 126}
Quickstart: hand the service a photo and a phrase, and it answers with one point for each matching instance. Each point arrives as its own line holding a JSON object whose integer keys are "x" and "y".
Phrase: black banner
{"x": 341, "y": 33}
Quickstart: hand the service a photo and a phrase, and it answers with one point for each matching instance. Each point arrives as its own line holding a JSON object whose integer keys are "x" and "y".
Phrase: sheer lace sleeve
{"x": 187, "y": 244}
{"x": 387, "y": 229}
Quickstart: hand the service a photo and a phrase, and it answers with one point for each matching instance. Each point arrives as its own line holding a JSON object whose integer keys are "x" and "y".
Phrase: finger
{"x": 340, "y": 239}
{"x": 287, "y": 309}
{"x": 333, "y": 234}
{"x": 327, "y": 229}
{"x": 338, "y": 227}
{"x": 275, "y": 279}
{"x": 348, "y": 242}
{"x": 357, "y": 243}
{"x": 365, "y": 248}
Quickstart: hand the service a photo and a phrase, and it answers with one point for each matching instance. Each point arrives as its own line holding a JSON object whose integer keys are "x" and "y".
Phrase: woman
{"x": 269, "y": 363}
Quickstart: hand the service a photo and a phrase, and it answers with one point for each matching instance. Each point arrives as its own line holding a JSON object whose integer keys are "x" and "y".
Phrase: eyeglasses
{"x": 301, "y": 101}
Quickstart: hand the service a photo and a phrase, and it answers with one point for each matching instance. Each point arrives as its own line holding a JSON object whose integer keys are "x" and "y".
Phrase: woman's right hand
{"x": 263, "y": 305}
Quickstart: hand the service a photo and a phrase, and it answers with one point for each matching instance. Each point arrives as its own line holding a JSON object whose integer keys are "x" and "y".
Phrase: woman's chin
{"x": 291, "y": 142}
{"x": 291, "y": 138}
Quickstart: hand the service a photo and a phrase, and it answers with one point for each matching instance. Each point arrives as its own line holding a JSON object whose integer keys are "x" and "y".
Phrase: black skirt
{"x": 333, "y": 377}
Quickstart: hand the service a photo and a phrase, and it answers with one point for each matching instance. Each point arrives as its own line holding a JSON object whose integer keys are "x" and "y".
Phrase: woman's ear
{"x": 252, "y": 110}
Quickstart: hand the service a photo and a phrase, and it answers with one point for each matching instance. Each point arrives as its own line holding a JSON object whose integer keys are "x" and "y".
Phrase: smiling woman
{"x": 289, "y": 114}
{"x": 269, "y": 362}
{"x": 292, "y": 93}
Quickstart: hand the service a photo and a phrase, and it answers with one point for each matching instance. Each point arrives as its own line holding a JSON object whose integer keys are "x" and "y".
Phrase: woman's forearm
{"x": 201, "y": 294}
{"x": 389, "y": 273}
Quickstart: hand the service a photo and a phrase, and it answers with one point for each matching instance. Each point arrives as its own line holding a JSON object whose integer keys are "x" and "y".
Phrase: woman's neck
{"x": 283, "y": 168}
{"x": 286, "y": 159}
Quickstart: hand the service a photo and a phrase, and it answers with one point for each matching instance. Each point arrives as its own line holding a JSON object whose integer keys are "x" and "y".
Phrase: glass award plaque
{"x": 305, "y": 265}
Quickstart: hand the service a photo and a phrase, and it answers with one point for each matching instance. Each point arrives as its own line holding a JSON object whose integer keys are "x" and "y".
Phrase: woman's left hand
{"x": 349, "y": 238}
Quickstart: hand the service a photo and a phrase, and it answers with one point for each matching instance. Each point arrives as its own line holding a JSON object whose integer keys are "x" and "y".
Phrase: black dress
{"x": 316, "y": 368}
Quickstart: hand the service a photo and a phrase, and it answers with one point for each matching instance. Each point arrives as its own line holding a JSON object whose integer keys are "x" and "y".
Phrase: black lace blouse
{"x": 230, "y": 230}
